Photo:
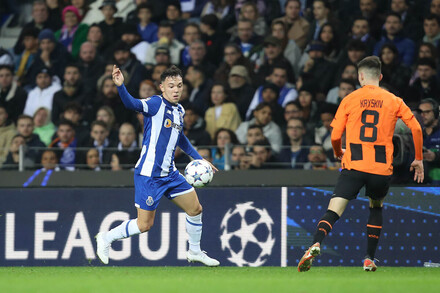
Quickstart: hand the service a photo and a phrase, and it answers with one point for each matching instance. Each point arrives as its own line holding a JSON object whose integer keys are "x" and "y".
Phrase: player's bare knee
{"x": 145, "y": 226}
{"x": 197, "y": 210}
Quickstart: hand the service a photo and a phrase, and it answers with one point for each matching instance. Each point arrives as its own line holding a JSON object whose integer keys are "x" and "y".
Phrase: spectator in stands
{"x": 191, "y": 33}
{"x": 92, "y": 160}
{"x": 197, "y": 54}
{"x": 25, "y": 127}
{"x": 133, "y": 70}
{"x": 360, "y": 30}
{"x": 73, "y": 112}
{"x": 42, "y": 95}
{"x": 110, "y": 25}
{"x": 279, "y": 78}
{"x": 395, "y": 74}
{"x": 213, "y": 37}
{"x": 253, "y": 134}
{"x": 260, "y": 157}
{"x": 290, "y": 49}
{"x": 273, "y": 57}
{"x": 329, "y": 38}
{"x": 147, "y": 89}
{"x": 194, "y": 127}
{"x": 232, "y": 57}
{"x": 128, "y": 152}
{"x": 426, "y": 50}
{"x": 99, "y": 139}
{"x": 158, "y": 69}
{"x": 130, "y": 36}
{"x": 67, "y": 143}
{"x": 296, "y": 154}
{"x": 411, "y": 23}
{"x": 434, "y": 8}
{"x": 394, "y": 34}
{"x": 222, "y": 113}
{"x": 107, "y": 115}
{"x": 368, "y": 9}
{"x": 7, "y": 132}
{"x": 309, "y": 108}
{"x": 224, "y": 10}
{"x": 246, "y": 38}
{"x": 95, "y": 36}
{"x": 336, "y": 94}
{"x": 52, "y": 55}
{"x": 43, "y": 127}
{"x": 323, "y": 133}
{"x": 237, "y": 154}
{"x": 12, "y": 96}
{"x": 40, "y": 16}
{"x": 13, "y": 156}
{"x": 201, "y": 87}
{"x": 249, "y": 10}
{"x": 298, "y": 26}
{"x": 174, "y": 17}
{"x": 321, "y": 16}
{"x": 82, "y": 6}
{"x": 263, "y": 118}
{"x": 165, "y": 37}
{"x": 429, "y": 110}
{"x": 30, "y": 44}
{"x": 318, "y": 71}
{"x": 49, "y": 161}
{"x": 431, "y": 26}
{"x": 205, "y": 153}
{"x": 426, "y": 85}
{"x": 222, "y": 138}
{"x": 146, "y": 28}
{"x": 73, "y": 33}
{"x": 317, "y": 159}
{"x": 91, "y": 67}
{"x": 356, "y": 51}
{"x": 241, "y": 88}
{"x": 73, "y": 91}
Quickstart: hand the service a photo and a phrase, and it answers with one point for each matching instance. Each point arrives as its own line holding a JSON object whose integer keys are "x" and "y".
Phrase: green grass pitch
{"x": 222, "y": 279}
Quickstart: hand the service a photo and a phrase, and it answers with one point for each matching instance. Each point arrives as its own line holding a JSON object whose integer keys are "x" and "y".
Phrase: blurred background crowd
{"x": 262, "y": 78}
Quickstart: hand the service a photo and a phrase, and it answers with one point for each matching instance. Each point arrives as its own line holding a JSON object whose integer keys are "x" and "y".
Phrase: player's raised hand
{"x": 117, "y": 76}
{"x": 417, "y": 166}
{"x": 214, "y": 168}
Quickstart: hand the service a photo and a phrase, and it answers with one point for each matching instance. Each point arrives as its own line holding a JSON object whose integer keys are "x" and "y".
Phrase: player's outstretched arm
{"x": 129, "y": 102}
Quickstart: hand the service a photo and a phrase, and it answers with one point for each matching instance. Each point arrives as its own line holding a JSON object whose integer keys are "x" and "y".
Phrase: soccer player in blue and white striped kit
{"x": 155, "y": 173}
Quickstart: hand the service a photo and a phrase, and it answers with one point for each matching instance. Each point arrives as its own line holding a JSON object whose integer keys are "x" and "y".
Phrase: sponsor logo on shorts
{"x": 149, "y": 201}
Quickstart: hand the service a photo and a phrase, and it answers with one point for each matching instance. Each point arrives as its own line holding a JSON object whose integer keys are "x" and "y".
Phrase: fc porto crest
{"x": 149, "y": 201}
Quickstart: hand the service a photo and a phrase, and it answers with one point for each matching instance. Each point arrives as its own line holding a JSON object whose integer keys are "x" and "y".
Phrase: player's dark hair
{"x": 172, "y": 71}
{"x": 66, "y": 122}
{"x": 372, "y": 64}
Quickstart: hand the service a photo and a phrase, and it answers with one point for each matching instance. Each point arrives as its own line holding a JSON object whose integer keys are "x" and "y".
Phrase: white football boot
{"x": 202, "y": 258}
{"x": 102, "y": 247}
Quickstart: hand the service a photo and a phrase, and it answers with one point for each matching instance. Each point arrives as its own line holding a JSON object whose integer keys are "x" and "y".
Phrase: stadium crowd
{"x": 264, "y": 76}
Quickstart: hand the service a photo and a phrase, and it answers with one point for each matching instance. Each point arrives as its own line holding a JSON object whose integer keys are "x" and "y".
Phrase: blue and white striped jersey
{"x": 163, "y": 131}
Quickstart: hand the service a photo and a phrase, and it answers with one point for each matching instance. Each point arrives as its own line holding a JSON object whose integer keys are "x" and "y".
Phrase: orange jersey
{"x": 369, "y": 116}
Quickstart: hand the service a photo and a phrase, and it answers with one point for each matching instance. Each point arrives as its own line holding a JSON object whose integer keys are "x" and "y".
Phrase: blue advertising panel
{"x": 410, "y": 234}
{"x": 56, "y": 227}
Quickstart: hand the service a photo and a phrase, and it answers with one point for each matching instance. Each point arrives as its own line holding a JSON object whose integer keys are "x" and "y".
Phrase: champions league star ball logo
{"x": 247, "y": 235}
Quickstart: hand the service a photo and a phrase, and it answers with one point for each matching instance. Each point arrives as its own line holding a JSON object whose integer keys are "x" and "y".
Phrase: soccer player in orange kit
{"x": 368, "y": 115}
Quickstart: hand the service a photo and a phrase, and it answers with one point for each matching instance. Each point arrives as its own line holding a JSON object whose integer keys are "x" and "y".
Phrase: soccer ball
{"x": 198, "y": 173}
